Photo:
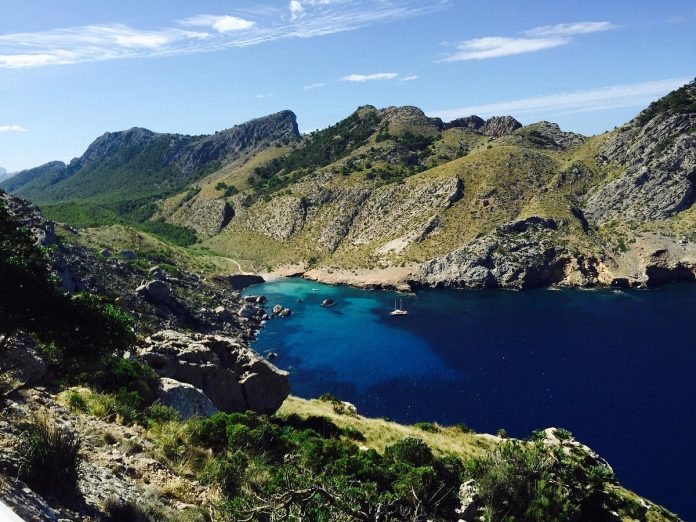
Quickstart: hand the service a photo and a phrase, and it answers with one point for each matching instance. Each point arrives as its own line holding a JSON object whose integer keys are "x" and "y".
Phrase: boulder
{"x": 128, "y": 255}
{"x": 248, "y": 311}
{"x": 261, "y": 300}
{"x": 231, "y": 375}
{"x": 21, "y": 361}
{"x": 186, "y": 399}
{"x": 277, "y": 309}
{"x": 19, "y": 502}
{"x": 285, "y": 312}
{"x": 156, "y": 291}
{"x": 105, "y": 252}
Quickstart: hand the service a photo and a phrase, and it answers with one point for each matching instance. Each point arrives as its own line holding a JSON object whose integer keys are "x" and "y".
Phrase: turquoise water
{"x": 616, "y": 368}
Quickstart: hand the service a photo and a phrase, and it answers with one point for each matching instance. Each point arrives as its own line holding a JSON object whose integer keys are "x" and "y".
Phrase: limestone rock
{"x": 469, "y": 122}
{"x": 156, "y": 291}
{"x": 471, "y": 506}
{"x": 20, "y": 359}
{"x": 659, "y": 158}
{"x": 205, "y": 216}
{"x": 232, "y": 376}
{"x": 186, "y": 399}
{"x": 520, "y": 254}
{"x": 498, "y": 126}
{"x": 23, "y": 503}
{"x": 248, "y": 311}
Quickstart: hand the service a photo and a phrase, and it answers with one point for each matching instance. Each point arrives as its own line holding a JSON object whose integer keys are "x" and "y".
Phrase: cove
{"x": 617, "y": 368}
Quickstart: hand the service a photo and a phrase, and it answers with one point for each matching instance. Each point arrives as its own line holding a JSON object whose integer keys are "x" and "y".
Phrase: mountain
{"x": 135, "y": 164}
{"x": 391, "y": 197}
{"x": 184, "y": 421}
{"x": 3, "y": 174}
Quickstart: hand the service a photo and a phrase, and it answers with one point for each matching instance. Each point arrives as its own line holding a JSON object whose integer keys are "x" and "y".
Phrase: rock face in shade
{"x": 234, "y": 377}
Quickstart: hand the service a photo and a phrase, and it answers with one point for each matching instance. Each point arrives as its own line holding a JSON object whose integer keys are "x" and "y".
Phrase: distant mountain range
{"x": 4, "y": 174}
{"x": 392, "y": 197}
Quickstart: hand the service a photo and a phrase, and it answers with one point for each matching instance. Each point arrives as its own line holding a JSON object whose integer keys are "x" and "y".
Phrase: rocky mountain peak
{"x": 498, "y": 126}
{"x": 409, "y": 117}
{"x": 110, "y": 142}
{"x": 468, "y": 122}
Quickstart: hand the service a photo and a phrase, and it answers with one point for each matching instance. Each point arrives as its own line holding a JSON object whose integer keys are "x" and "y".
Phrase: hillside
{"x": 391, "y": 197}
{"x": 142, "y": 402}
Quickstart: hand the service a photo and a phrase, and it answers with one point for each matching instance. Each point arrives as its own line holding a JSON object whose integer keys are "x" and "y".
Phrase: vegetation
{"x": 533, "y": 481}
{"x": 49, "y": 459}
{"x": 32, "y": 301}
{"x": 320, "y": 149}
{"x": 679, "y": 101}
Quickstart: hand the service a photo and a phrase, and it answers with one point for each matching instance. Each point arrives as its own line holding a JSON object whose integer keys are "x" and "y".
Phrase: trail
{"x": 239, "y": 267}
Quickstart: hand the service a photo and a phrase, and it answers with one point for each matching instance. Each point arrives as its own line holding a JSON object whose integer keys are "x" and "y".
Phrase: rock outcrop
{"x": 185, "y": 398}
{"x": 522, "y": 254}
{"x": 657, "y": 151}
{"x": 232, "y": 376}
{"x": 498, "y": 126}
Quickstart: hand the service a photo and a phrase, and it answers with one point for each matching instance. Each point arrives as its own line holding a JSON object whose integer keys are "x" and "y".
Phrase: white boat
{"x": 400, "y": 310}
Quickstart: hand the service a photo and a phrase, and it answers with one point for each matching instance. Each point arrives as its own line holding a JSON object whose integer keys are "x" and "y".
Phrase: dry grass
{"x": 380, "y": 433}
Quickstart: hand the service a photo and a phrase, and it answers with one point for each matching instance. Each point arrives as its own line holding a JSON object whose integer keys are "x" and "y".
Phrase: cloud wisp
{"x": 200, "y": 33}
{"x": 12, "y": 128}
{"x": 361, "y": 78}
{"x": 537, "y": 39}
{"x": 602, "y": 98}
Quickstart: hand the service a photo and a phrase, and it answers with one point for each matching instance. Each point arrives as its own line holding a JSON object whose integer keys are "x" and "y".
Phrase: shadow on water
{"x": 616, "y": 368}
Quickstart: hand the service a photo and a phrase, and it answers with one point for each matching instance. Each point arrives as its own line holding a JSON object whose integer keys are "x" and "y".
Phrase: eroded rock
{"x": 232, "y": 376}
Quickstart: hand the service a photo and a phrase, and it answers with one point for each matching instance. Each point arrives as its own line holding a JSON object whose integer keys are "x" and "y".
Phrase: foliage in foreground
{"x": 77, "y": 330}
{"x": 49, "y": 458}
{"x": 267, "y": 468}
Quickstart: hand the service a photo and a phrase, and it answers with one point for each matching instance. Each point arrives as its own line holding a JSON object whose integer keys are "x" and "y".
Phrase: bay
{"x": 616, "y": 368}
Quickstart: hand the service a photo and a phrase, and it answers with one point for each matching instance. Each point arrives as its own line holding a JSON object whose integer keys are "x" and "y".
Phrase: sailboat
{"x": 400, "y": 310}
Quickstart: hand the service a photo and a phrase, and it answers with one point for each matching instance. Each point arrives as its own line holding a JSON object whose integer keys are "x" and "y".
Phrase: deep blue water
{"x": 617, "y": 368}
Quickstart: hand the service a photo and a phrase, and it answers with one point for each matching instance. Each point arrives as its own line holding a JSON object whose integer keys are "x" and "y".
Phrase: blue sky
{"x": 72, "y": 69}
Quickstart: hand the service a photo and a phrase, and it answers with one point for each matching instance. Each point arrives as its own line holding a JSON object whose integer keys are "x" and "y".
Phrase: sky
{"x": 71, "y": 70}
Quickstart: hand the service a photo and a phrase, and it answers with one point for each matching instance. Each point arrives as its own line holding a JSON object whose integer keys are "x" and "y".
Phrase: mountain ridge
{"x": 470, "y": 203}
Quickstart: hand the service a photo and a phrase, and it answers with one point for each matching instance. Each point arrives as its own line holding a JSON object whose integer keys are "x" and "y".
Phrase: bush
{"x": 427, "y": 426}
{"x": 159, "y": 414}
{"x": 225, "y": 472}
{"x": 535, "y": 482}
{"x": 49, "y": 458}
{"x": 116, "y": 510}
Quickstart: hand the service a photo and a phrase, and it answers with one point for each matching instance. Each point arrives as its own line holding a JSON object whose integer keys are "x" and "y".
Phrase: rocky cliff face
{"x": 658, "y": 159}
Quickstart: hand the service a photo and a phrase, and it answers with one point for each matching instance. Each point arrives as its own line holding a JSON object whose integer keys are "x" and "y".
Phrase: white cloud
{"x": 314, "y": 86}
{"x": 409, "y": 78}
{"x": 369, "y": 77}
{"x": 537, "y": 39}
{"x": 296, "y": 9}
{"x": 570, "y": 29}
{"x": 94, "y": 43}
{"x": 602, "y": 98}
{"x": 12, "y": 128}
{"x": 496, "y": 46}
{"x": 221, "y": 24}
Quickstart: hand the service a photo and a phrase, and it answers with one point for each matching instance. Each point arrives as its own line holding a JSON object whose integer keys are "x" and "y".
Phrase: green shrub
{"x": 225, "y": 472}
{"x": 159, "y": 413}
{"x": 427, "y": 426}
{"x": 49, "y": 458}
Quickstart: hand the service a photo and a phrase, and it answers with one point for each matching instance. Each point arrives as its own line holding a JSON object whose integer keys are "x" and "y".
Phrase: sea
{"x": 615, "y": 367}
